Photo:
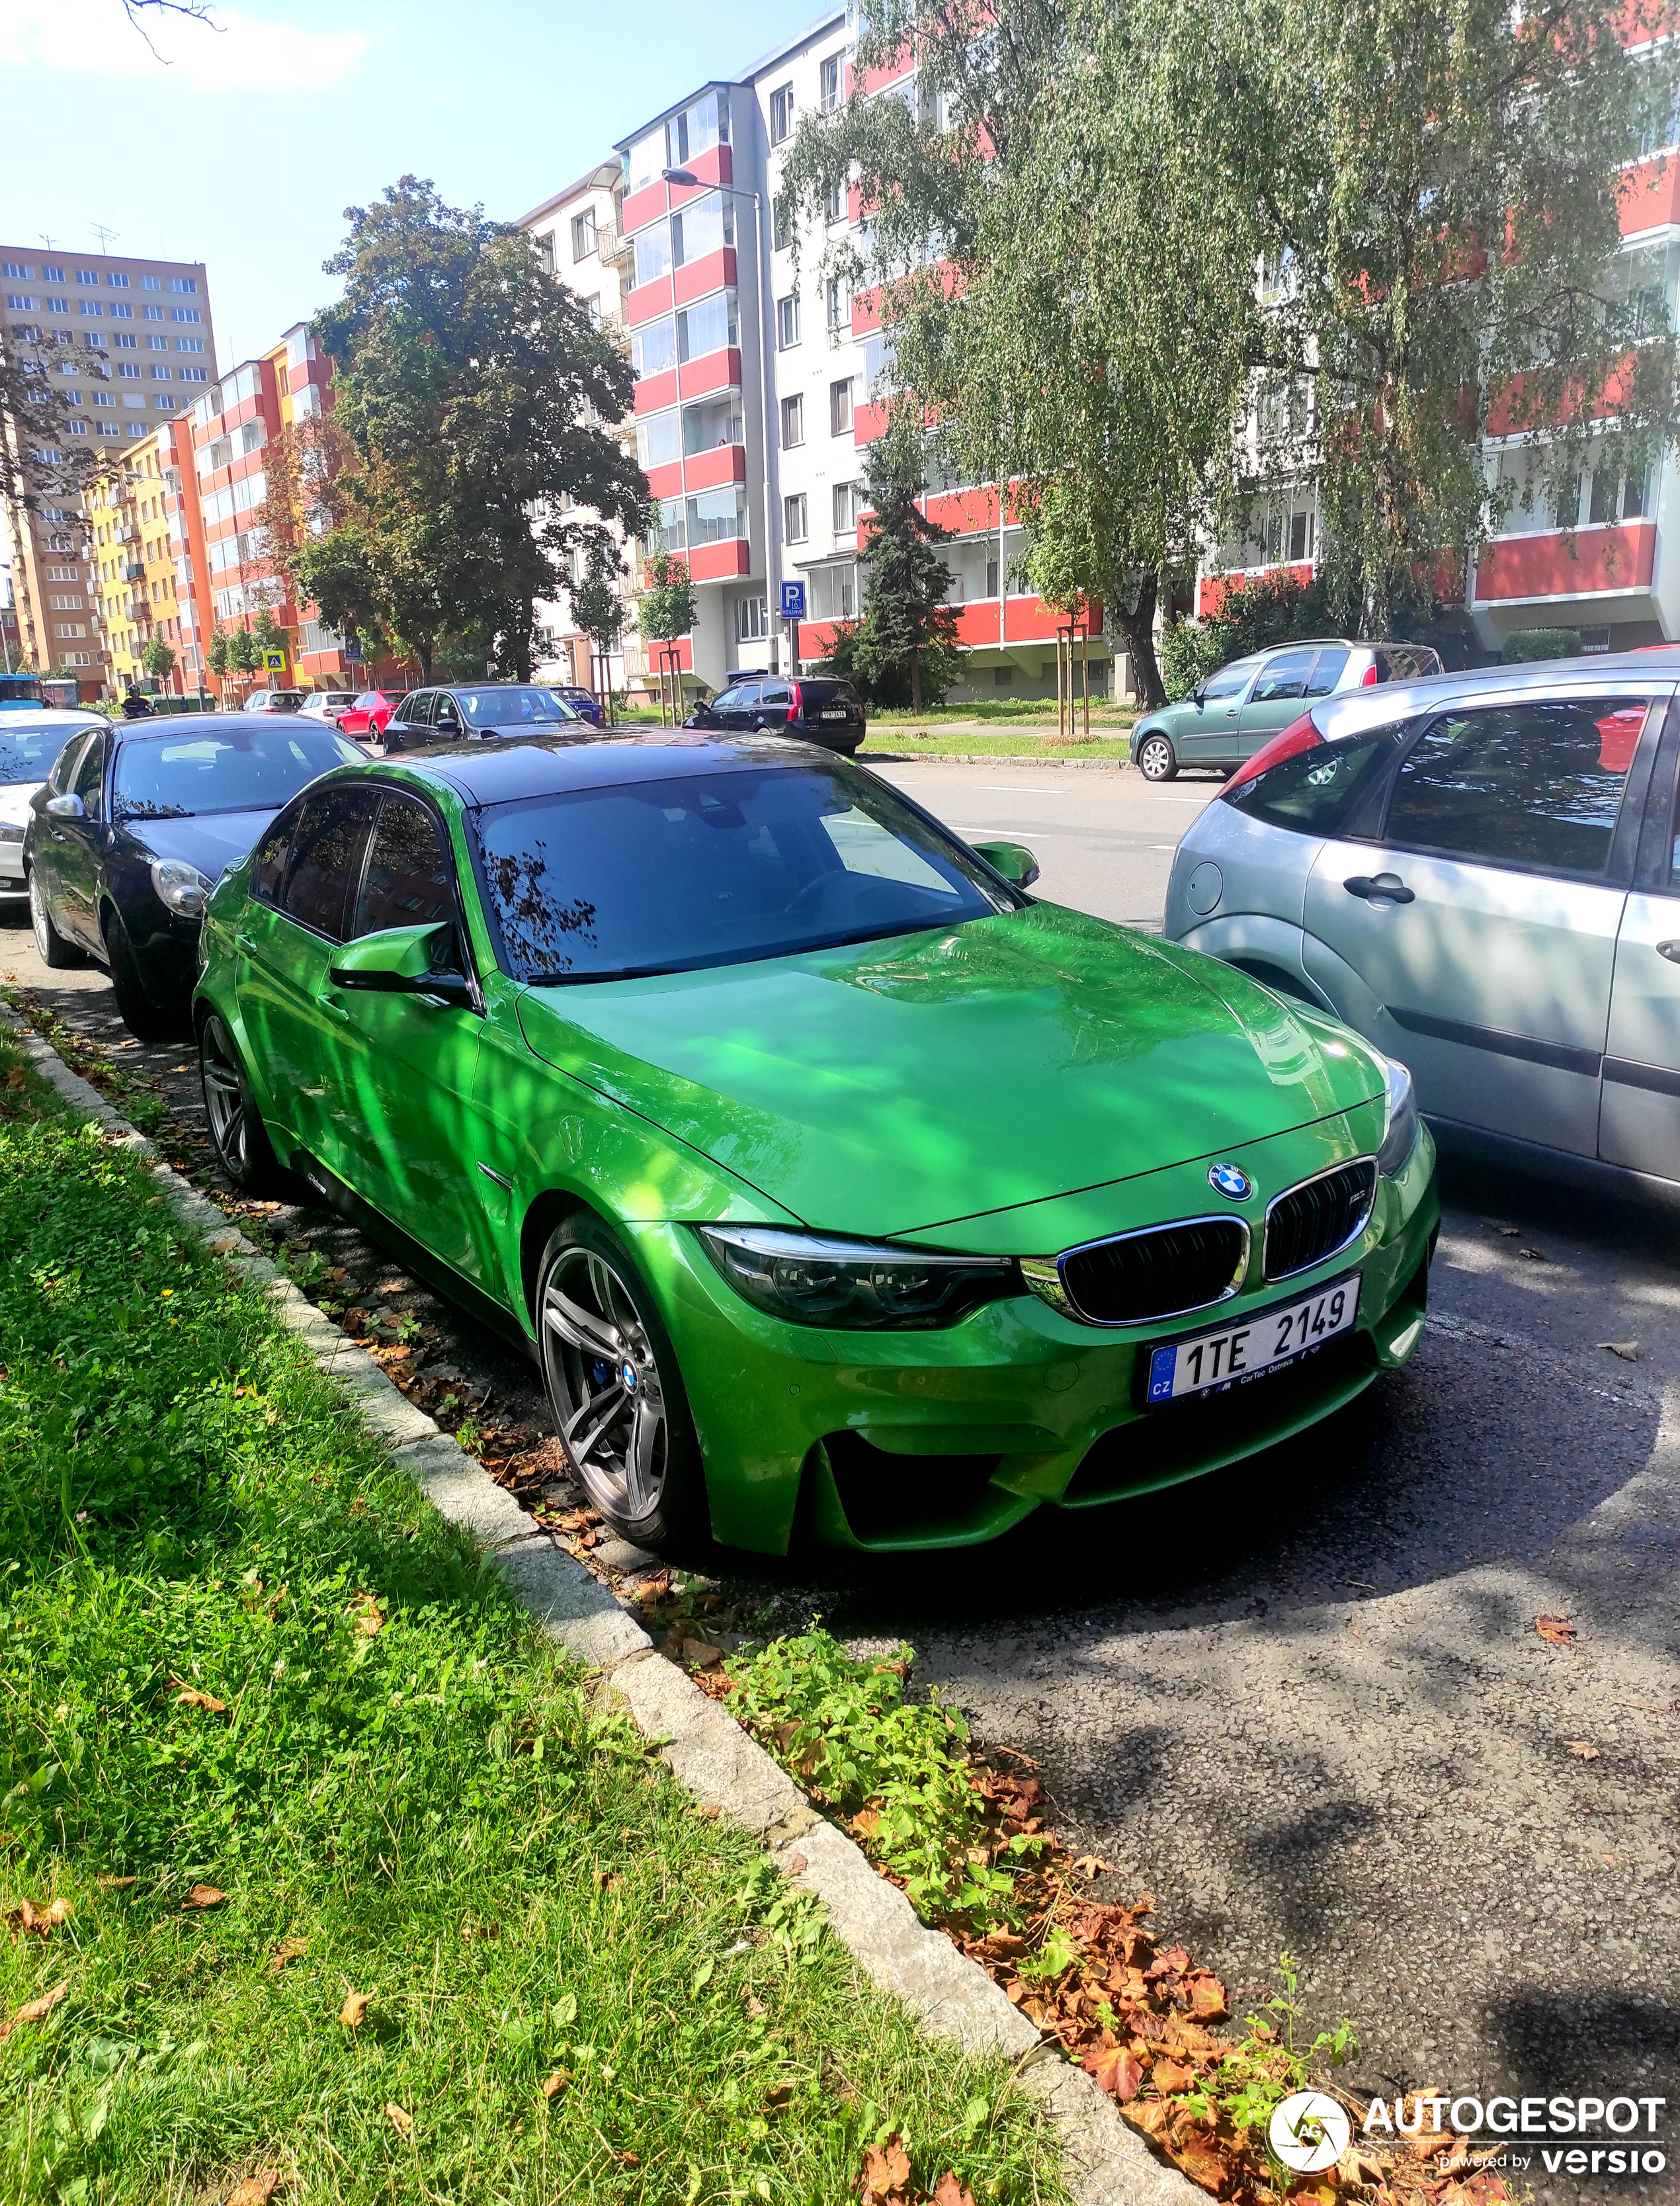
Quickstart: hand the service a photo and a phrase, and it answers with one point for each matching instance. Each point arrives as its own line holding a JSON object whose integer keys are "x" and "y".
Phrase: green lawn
{"x": 237, "y": 1651}
{"x": 1027, "y": 742}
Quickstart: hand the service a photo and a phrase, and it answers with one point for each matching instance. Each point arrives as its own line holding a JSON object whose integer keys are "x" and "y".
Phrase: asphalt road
{"x": 1304, "y": 1703}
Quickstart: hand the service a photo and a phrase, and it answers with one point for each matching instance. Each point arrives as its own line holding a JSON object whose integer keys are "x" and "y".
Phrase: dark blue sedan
{"x": 136, "y": 826}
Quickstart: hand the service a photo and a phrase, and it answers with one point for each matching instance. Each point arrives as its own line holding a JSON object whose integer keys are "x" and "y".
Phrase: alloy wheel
{"x": 1154, "y": 759}
{"x": 608, "y": 1391}
{"x": 225, "y": 1102}
{"x": 40, "y": 921}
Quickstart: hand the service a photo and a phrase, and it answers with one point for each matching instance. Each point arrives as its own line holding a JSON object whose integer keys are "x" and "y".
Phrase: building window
{"x": 57, "y": 306}
{"x": 752, "y": 620}
{"x": 793, "y": 517}
{"x": 787, "y": 322}
{"x": 592, "y": 307}
{"x": 20, "y": 302}
{"x": 87, "y": 276}
{"x": 840, "y": 409}
{"x": 652, "y": 349}
{"x": 992, "y": 578}
{"x": 793, "y": 422}
{"x": 152, "y": 313}
{"x": 19, "y": 270}
{"x": 125, "y": 344}
{"x": 127, "y": 369}
{"x": 190, "y": 344}
{"x": 834, "y": 591}
{"x": 50, "y": 274}
{"x": 845, "y": 507}
{"x": 150, "y": 283}
{"x": 781, "y": 236}
{"x": 839, "y": 300}
{"x": 117, "y": 280}
{"x": 781, "y": 113}
{"x": 191, "y": 374}
{"x": 834, "y": 201}
{"x": 828, "y": 84}
{"x": 188, "y": 284}
{"x": 584, "y": 238}
{"x": 185, "y": 314}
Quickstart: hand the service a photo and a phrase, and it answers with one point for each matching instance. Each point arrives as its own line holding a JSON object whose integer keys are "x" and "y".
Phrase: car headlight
{"x": 1401, "y": 1137}
{"x": 182, "y": 887}
{"x": 823, "y": 1279}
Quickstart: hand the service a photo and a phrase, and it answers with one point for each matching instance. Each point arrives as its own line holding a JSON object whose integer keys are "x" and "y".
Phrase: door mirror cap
{"x": 398, "y": 962}
{"x": 65, "y": 807}
{"x": 1014, "y": 861}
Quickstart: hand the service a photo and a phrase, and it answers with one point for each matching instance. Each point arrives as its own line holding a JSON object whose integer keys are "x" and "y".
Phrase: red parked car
{"x": 370, "y": 712}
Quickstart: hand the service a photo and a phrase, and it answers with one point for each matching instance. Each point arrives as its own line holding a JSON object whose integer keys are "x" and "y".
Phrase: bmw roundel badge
{"x": 1231, "y": 1180}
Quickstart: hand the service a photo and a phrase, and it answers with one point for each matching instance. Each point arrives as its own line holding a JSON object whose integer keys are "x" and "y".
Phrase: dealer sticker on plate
{"x": 1270, "y": 1338}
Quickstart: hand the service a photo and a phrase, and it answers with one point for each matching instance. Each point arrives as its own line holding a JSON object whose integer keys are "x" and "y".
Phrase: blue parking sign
{"x": 793, "y": 600}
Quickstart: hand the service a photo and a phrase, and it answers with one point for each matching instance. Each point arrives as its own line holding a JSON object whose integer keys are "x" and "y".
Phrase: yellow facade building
{"x": 135, "y": 568}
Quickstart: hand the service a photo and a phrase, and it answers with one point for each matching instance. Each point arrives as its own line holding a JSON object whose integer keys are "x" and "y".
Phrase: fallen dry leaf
{"x": 115, "y": 1883}
{"x": 555, "y": 2084}
{"x": 1118, "y": 2071}
{"x": 1582, "y": 1749}
{"x": 798, "y": 1865}
{"x": 886, "y": 2171}
{"x": 288, "y": 1950}
{"x": 34, "y": 2009}
{"x": 1629, "y": 1350}
{"x": 948, "y": 2191}
{"x": 778, "y": 2098}
{"x": 402, "y": 2123}
{"x": 1535, "y": 1255}
{"x": 365, "y": 1614}
{"x": 754, "y": 2006}
{"x": 256, "y": 2190}
{"x": 1557, "y": 1631}
{"x": 203, "y": 1895}
{"x": 189, "y": 1697}
{"x": 700, "y": 1654}
{"x": 1171, "y": 2076}
{"x": 354, "y": 2013}
{"x": 1498, "y": 1225}
{"x": 624, "y": 2157}
{"x": 42, "y": 1921}
{"x": 1094, "y": 1865}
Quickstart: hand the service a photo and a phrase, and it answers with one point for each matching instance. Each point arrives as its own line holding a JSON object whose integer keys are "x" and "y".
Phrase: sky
{"x": 242, "y": 145}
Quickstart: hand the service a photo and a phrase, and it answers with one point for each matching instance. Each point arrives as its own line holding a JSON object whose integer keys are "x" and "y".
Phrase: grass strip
{"x": 324, "y": 1875}
{"x": 967, "y": 1837}
{"x": 1019, "y": 743}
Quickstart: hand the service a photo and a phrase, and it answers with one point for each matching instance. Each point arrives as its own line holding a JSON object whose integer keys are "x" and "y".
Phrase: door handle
{"x": 1671, "y": 951}
{"x": 244, "y": 943}
{"x": 335, "y": 1009}
{"x": 1388, "y": 887}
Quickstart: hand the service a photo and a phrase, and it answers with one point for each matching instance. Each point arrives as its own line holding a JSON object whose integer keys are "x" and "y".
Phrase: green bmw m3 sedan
{"x": 839, "y": 1187}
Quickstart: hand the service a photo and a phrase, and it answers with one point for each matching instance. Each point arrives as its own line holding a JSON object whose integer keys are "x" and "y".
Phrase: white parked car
{"x": 30, "y": 742}
{"x": 327, "y": 704}
{"x": 274, "y": 701}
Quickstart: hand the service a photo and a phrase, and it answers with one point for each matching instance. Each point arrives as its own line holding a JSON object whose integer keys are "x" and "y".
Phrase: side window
{"x": 1328, "y": 668}
{"x": 90, "y": 773}
{"x": 1531, "y": 786}
{"x": 268, "y": 867}
{"x": 1230, "y": 681}
{"x": 413, "y": 712}
{"x": 410, "y": 880}
{"x": 1319, "y": 791}
{"x": 445, "y": 714}
{"x": 776, "y": 693}
{"x": 326, "y": 859}
{"x": 726, "y": 700}
{"x": 1283, "y": 677}
{"x": 58, "y": 781}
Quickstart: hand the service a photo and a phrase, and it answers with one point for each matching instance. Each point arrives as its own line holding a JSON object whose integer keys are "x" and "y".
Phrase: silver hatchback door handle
{"x": 1388, "y": 887}
{"x": 1671, "y": 951}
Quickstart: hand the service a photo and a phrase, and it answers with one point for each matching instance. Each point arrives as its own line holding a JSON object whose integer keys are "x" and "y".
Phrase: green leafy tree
{"x": 266, "y": 632}
{"x": 218, "y": 653}
{"x": 245, "y": 654}
{"x": 476, "y": 396}
{"x": 668, "y": 608}
{"x": 598, "y": 610}
{"x": 158, "y": 659}
{"x": 907, "y": 633}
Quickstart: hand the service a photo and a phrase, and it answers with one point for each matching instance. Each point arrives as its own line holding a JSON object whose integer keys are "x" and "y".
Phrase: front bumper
{"x": 905, "y": 1441}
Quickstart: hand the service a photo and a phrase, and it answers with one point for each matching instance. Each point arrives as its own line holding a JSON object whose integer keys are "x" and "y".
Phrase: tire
{"x": 55, "y": 949}
{"x": 629, "y": 1439}
{"x": 237, "y": 1133}
{"x": 138, "y": 1013}
{"x": 1156, "y": 760}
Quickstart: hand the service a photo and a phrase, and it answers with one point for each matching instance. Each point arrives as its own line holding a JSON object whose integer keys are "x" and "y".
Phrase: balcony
{"x": 613, "y": 247}
{"x": 133, "y": 574}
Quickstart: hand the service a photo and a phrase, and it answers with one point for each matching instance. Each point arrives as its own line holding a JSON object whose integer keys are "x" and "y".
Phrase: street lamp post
{"x": 686, "y": 176}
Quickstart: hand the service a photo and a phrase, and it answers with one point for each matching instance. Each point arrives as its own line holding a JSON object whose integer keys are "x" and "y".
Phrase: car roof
{"x": 1357, "y": 710}
{"x": 495, "y": 771}
{"x": 194, "y": 723}
{"x": 53, "y": 716}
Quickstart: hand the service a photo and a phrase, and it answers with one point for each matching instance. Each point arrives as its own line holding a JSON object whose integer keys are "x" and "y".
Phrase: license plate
{"x": 834, "y": 716}
{"x": 1212, "y": 1362}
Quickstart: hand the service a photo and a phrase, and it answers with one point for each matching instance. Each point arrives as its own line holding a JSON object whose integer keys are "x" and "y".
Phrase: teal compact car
{"x": 835, "y": 1183}
{"x": 1229, "y": 716}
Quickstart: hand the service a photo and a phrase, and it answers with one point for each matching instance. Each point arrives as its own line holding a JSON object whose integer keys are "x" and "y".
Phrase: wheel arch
{"x": 548, "y": 1212}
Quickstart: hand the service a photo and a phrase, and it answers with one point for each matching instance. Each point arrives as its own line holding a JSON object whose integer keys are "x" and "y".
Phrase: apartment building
{"x": 146, "y": 550}
{"x": 147, "y": 324}
{"x": 579, "y": 236}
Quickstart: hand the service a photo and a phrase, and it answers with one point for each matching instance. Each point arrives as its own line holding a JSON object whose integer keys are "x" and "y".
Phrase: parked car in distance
{"x": 1480, "y": 874}
{"x": 275, "y": 701}
{"x": 366, "y": 716}
{"x": 327, "y": 704}
{"x": 584, "y": 702}
{"x": 661, "y": 1051}
{"x": 475, "y": 711}
{"x": 131, "y": 830}
{"x": 30, "y": 742}
{"x": 814, "y": 709}
{"x": 1226, "y": 718}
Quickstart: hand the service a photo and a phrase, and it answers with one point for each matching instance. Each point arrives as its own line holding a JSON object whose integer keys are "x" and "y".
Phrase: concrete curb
{"x": 708, "y": 1753}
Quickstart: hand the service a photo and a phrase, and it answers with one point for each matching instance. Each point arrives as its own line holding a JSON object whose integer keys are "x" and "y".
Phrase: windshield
{"x": 510, "y": 706}
{"x": 28, "y": 753}
{"x": 715, "y": 868}
{"x": 172, "y": 777}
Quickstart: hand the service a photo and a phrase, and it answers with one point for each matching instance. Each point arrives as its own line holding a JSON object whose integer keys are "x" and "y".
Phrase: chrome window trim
{"x": 1043, "y": 1274}
{"x": 1270, "y": 1278}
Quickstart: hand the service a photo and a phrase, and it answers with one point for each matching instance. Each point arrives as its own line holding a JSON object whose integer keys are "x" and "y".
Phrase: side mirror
{"x": 65, "y": 807}
{"x": 399, "y": 963}
{"x": 1014, "y": 861}
{"x": 1198, "y": 694}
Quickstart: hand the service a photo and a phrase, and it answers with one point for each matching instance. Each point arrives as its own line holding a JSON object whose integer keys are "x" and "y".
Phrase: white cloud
{"x": 94, "y": 38}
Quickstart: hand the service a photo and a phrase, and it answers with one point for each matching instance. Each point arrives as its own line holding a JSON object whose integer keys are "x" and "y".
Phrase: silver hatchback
{"x": 1480, "y": 873}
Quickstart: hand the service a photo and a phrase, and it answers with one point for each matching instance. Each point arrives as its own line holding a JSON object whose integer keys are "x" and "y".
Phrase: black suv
{"x": 816, "y": 709}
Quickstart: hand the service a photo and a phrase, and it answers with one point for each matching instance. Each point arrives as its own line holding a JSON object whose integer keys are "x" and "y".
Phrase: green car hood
{"x": 889, "y": 1087}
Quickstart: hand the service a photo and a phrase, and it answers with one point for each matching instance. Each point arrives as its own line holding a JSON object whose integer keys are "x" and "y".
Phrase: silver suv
{"x": 1481, "y": 872}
